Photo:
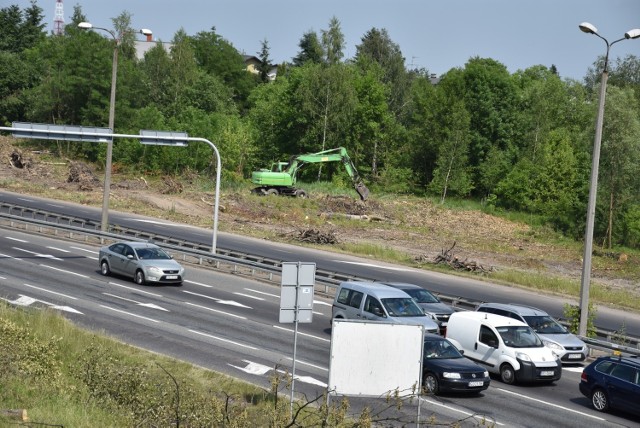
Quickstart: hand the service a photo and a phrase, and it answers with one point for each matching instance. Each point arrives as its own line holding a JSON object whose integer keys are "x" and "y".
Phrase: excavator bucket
{"x": 362, "y": 190}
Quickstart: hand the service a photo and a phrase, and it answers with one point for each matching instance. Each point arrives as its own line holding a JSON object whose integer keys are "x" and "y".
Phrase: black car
{"x": 444, "y": 368}
{"x": 612, "y": 382}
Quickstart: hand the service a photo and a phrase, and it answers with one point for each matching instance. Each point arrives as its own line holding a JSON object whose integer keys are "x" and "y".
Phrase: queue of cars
{"x": 518, "y": 343}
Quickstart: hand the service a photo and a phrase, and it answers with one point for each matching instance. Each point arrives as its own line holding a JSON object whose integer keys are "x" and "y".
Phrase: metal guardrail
{"x": 256, "y": 267}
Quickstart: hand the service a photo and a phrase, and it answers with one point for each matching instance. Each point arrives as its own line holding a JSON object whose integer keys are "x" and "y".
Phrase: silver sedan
{"x": 142, "y": 261}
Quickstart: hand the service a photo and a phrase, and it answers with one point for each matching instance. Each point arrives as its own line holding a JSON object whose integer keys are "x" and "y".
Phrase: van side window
{"x": 372, "y": 305}
{"x": 487, "y": 336}
{"x": 355, "y": 299}
{"x": 343, "y": 296}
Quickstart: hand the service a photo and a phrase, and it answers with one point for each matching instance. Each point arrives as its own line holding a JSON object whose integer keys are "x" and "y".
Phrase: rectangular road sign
{"x": 164, "y": 138}
{"x": 296, "y": 292}
{"x": 46, "y": 131}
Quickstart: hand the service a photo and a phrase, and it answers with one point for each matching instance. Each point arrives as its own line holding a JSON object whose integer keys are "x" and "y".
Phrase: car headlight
{"x": 451, "y": 375}
{"x": 552, "y": 345}
{"x": 522, "y": 356}
{"x": 155, "y": 270}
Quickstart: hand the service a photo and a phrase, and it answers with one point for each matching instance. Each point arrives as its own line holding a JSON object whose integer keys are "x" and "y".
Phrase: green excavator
{"x": 281, "y": 178}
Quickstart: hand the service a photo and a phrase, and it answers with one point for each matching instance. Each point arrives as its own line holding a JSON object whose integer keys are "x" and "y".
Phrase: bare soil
{"x": 416, "y": 227}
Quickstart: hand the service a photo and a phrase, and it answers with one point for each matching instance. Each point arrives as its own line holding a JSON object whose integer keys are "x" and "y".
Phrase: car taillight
{"x": 583, "y": 377}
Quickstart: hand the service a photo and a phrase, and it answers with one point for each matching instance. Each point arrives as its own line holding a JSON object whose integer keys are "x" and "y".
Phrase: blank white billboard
{"x": 373, "y": 358}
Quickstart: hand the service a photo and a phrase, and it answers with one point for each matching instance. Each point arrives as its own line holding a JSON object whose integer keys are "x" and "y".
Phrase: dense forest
{"x": 518, "y": 141}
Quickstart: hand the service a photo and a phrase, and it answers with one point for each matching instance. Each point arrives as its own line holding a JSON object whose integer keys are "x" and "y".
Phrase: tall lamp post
{"x": 112, "y": 112}
{"x": 593, "y": 185}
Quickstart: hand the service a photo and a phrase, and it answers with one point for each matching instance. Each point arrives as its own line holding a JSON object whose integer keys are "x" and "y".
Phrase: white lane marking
{"x": 483, "y": 418}
{"x": 160, "y": 223}
{"x": 25, "y": 199}
{"x": 320, "y": 302}
{"x": 222, "y": 302}
{"x": 129, "y": 313}
{"x": 253, "y": 368}
{"x": 26, "y": 301}
{"x": 65, "y": 271}
{"x": 303, "y": 334}
{"x": 223, "y": 340}
{"x": 147, "y": 305}
{"x": 262, "y": 292}
{"x": 15, "y": 239}
{"x": 249, "y": 296}
{"x": 550, "y": 404}
{"x": 198, "y": 283}
{"x": 308, "y": 364}
{"x": 137, "y": 290}
{"x": 59, "y": 249}
{"x": 10, "y": 257}
{"x": 55, "y": 205}
{"x": 44, "y": 256}
{"x": 2, "y": 277}
{"x": 84, "y": 249}
{"x": 22, "y": 301}
{"x": 317, "y": 313}
{"x": 372, "y": 265}
{"x": 261, "y": 370}
{"x": 215, "y": 310}
{"x": 49, "y": 291}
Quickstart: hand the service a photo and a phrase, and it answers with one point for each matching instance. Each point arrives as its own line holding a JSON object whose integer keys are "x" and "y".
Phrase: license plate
{"x": 476, "y": 383}
{"x": 546, "y": 373}
{"x": 172, "y": 277}
{"x": 575, "y": 356}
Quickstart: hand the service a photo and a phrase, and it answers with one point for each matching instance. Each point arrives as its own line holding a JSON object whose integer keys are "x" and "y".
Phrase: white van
{"x": 378, "y": 302}
{"x": 505, "y": 346}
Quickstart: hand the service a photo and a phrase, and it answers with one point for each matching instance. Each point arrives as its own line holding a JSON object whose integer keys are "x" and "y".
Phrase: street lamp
{"x": 112, "y": 111}
{"x": 593, "y": 185}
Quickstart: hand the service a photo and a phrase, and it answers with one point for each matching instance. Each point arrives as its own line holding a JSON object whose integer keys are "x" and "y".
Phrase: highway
{"x": 230, "y": 324}
{"x": 474, "y": 290}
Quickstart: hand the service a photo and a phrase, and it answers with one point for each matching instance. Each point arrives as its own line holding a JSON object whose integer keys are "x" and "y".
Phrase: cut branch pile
{"x": 316, "y": 237}
{"x": 447, "y": 257}
{"x": 18, "y": 161}
{"x": 171, "y": 186}
{"x": 80, "y": 173}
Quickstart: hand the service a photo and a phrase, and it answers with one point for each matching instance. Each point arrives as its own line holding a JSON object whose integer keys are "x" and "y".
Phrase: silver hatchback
{"x": 142, "y": 261}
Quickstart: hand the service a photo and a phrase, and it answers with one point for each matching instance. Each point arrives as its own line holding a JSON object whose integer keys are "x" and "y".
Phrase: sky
{"x": 434, "y": 35}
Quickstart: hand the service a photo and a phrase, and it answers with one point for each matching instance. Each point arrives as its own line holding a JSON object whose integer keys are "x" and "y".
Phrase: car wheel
{"x": 301, "y": 193}
{"x": 599, "y": 400}
{"x": 272, "y": 192}
{"x": 431, "y": 385}
{"x": 139, "y": 277}
{"x": 507, "y": 374}
{"x": 104, "y": 268}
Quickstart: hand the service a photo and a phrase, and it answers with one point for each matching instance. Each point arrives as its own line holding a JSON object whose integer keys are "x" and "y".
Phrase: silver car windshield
{"x": 544, "y": 324}
{"x": 519, "y": 337}
{"x": 402, "y": 307}
{"x": 422, "y": 296}
{"x": 152, "y": 254}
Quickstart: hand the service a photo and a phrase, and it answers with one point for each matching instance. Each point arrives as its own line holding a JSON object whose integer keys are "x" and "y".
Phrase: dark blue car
{"x": 612, "y": 382}
{"x": 444, "y": 368}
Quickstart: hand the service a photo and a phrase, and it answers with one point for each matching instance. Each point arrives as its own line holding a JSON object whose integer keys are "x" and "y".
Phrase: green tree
{"x": 378, "y": 47}
{"x": 265, "y": 62}
{"x": 333, "y": 42}
{"x": 620, "y": 160}
{"x": 452, "y": 168}
{"x": 490, "y": 98}
{"x": 216, "y": 56}
{"x": 21, "y": 29}
{"x": 310, "y": 49}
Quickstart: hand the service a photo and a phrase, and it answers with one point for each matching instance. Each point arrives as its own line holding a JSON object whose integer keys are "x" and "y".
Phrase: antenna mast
{"x": 58, "y": 22}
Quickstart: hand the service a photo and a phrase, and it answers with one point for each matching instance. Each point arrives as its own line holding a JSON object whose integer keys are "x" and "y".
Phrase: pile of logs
{"x": 447, "y": 257}
{"x": 80, "y": 173}
{"x": 316, "y": 237}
